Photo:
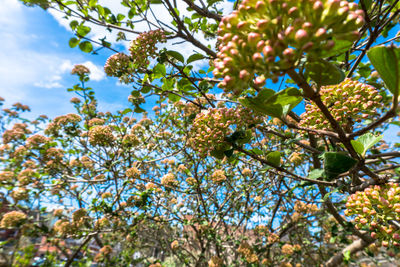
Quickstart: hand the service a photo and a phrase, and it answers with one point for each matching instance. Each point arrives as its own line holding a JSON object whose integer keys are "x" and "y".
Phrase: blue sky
{"x": 36, "y": 62}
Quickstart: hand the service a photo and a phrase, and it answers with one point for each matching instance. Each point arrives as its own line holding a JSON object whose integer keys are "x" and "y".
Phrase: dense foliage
{"x": 281, "y": 162}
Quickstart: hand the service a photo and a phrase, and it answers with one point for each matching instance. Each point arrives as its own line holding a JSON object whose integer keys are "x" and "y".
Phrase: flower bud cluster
{"x": 67, "y": 122}
{"x": 348, "y": 102}
{"x": 118, "y": 65}
{"x": 377, "y": 209}
{"x": 6, "y": 176}
{"x": 80, "y": 70}
{"x": 169, "y": 180}
{"x": 131, "y": 140}
{"x": 144, "y": 46}
{"x": 218, "y": 176}
{"x": 215, "y": 261}
{"x": 79, "y": 217}
{"x": 288, "y": 249}
{"x": 12, "y": 219}
{"x": 133, "y": 172}
{"x": 96, "y": 121}
{"x": 212, "y": 126}
{"x": 20, "y": 194}
{"x": 20, "y": 107}
{"x": 36, "y": 141}
{"x": 247, "y": 252}
{"x": 174, "y": 245}
{"x": 302, "y": 207}
{"x": 101, "y": 135}
{"x": 26, "y": 176}
{"x": 16, "y": 133}
{"x": 122, "y": 66}
{"x": 263, "y": 38}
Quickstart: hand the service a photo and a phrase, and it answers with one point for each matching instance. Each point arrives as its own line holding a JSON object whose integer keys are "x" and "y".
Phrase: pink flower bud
{"x": 257, "y": 57}
{"x": 390, "y": 252}
{"x": 396, "y": 236}
{"x": 241, "y": 25}
{"x": 301, "y": 35}
{"x": 289, "y": 30}
{"x": 244, "y": 75}
{"x": 262, "y": 24}
{"x": 360, "y": 12}
{"x": 307, "y": 46}
{"x": 234, "y": 52}
{"x": 307, "y": 25}
{"x": 228, "y": 61}
{"x": 288, "y": 52}
{"x": 293, "y": 12}
{"x": 321, "y": 32}
{"x": 253, "y": 38}
{"x": 260, "y": 5}
{"x": 353, "y": 6}
{"x": 343, "y": 10}
{"x": 260, "y": 45}
{"x": 259, "y": 81}
{"x": 318, "y": 6}
{"x": 227, "y": 37}
{"x": 228, "y": 79}
{"x": 268, "y": 51}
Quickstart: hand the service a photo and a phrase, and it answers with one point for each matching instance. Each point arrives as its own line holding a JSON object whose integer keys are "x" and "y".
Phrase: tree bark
{"x": 354, "y": 247}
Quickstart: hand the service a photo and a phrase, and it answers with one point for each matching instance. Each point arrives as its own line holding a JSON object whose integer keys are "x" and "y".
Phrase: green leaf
{"x": 168, "y": 84}
{"x": 120, "y": 17}
{"x": 73, "y": 42}
{"x": 219, "y": 154}
{"x": 274, "y": 104}
{"x": 358, "y": 147}
{"x": 386, "y": 61}
{"x": 174, "y": 98}
{"x": 257, "y": 151}
{"x": 178, "y": 56}
{"x": 347, "y": 255}
{"x": 159, "y": 71}
{"x": 288, "y": 99}
{"x": 336, "y": 163}
{"x": 315, "y": 174}
{"x": 323, "y": 72}
{"x": 82, "y": 30}
{"x": 274, "y": 158}
{"x": 365, "y": 142}
{"x": 138, "y": 109}
{"x": 86, "y": 46}
{"x": 194, "y": 57}
{"x": 340, "y": 47}
{"x": 73, "y": 24}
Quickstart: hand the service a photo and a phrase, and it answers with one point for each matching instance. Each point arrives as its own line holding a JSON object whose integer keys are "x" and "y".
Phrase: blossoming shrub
{"x": 349, "y": 102}
{"x": 262, "y": 39}
{"x": 377, "y": 210}
{"x": 211, "y": 127}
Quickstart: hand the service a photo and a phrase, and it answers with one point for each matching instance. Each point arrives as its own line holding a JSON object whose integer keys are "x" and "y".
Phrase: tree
{"x": 219, "y": 179}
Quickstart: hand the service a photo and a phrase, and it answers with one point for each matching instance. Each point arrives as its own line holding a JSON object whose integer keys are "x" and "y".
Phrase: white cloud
{"x": 96, "y": 71}
{"x": 26, "y": 74}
